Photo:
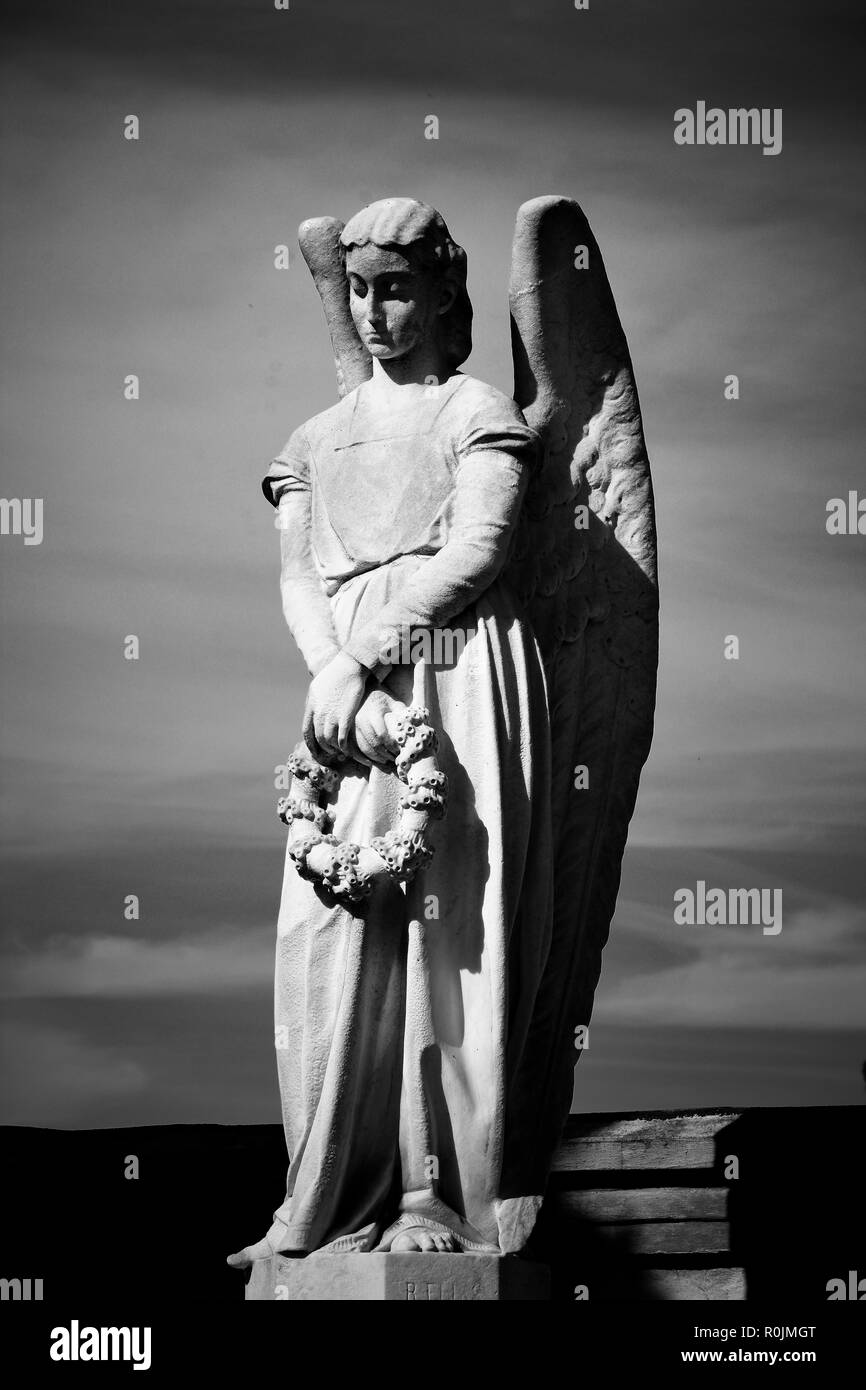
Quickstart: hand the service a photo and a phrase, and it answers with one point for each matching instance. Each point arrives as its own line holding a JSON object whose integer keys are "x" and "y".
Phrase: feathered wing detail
{"x": 584, "y": 564}
{"x": 319, "y": 240}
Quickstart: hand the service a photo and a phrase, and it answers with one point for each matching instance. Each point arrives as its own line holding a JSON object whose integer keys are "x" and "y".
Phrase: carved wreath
{"x": 348, "y": 870}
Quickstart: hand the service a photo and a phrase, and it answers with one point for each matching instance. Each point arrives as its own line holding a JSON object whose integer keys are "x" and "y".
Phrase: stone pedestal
{"x": 405, "y": 1278}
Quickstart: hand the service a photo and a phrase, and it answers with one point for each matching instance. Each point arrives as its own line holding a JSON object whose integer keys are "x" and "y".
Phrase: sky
{"x": 155, "y": 777}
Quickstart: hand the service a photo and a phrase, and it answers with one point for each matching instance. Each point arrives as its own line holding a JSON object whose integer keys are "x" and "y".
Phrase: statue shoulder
{"x": 322, "y": 427}
{"x": 483, "y": 416}
{"x": 478, "y": 400}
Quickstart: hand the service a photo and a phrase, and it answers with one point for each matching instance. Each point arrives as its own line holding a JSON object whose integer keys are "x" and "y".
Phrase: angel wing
{"x": 319, "y": 240}
{"x": 584, "y": 564}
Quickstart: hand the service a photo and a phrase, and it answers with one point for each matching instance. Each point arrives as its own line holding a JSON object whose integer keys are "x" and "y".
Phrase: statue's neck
{"x": 425, "y": 366}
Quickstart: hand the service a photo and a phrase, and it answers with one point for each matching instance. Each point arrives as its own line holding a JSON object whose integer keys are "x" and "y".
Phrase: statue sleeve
{"x": 305, "y": 603}
{"x": 290, "y": 470}
{"x": 490, "y": 481}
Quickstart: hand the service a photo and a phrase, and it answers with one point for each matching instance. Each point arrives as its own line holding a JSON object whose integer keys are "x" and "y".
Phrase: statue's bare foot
{"x": 261, "y": 1250}
{"x": 242, "y": 1259}
{"x": 421, "y": 1238}
{"x": 437, "y": 1230}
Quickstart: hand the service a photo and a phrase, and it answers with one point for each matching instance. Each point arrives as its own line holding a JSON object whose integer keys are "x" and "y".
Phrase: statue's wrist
{"x": 362, "y": 659}
{"x": 351, "y": 663}
{"x": 323, "y": 659}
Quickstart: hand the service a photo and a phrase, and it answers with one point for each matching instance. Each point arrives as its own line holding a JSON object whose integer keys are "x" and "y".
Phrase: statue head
{"x": 407, "y": 280}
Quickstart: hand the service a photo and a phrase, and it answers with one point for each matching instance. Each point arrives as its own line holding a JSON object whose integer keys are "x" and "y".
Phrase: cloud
{"x": 55, "y": 1073}
{"x": 220, "y": 961}
{"x": 679, "y": 1068}
{"x": 763, "y": 799}
{"x": 737, "y": 977}
{"x": 623, "y": 56}
{"x": 661, "y": 974}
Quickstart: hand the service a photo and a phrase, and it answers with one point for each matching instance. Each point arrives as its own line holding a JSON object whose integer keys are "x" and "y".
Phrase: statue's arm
{"x": 489, "y": 489}
{"x": 305, "y": 604}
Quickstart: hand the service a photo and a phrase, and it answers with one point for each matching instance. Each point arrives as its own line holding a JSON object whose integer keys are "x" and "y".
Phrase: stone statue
{"x": 471, "y": 581}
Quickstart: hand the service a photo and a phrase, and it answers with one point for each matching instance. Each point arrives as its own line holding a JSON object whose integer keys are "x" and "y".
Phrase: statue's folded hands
{"x": 373, "y": 738}
{"x": 334, "y": 698}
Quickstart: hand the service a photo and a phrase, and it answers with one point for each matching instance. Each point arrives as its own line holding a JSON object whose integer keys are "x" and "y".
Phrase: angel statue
{"x": 471, "y": 582}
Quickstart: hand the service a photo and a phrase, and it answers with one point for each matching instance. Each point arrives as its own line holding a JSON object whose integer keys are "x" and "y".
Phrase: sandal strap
{"x": 414, "y": 1221}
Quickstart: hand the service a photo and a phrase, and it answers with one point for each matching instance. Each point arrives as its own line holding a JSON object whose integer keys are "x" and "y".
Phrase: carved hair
{"x": 419, "y": 233}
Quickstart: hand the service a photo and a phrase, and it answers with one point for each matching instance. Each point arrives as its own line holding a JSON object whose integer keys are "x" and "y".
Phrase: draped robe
{"x": 401, "y": 1020}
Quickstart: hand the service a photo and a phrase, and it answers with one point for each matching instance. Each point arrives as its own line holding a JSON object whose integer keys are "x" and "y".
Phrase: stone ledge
{"x": 405, "y": 1278}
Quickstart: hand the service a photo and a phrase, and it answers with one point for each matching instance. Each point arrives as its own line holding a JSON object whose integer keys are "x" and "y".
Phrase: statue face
{"x": 394, "y": 305}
